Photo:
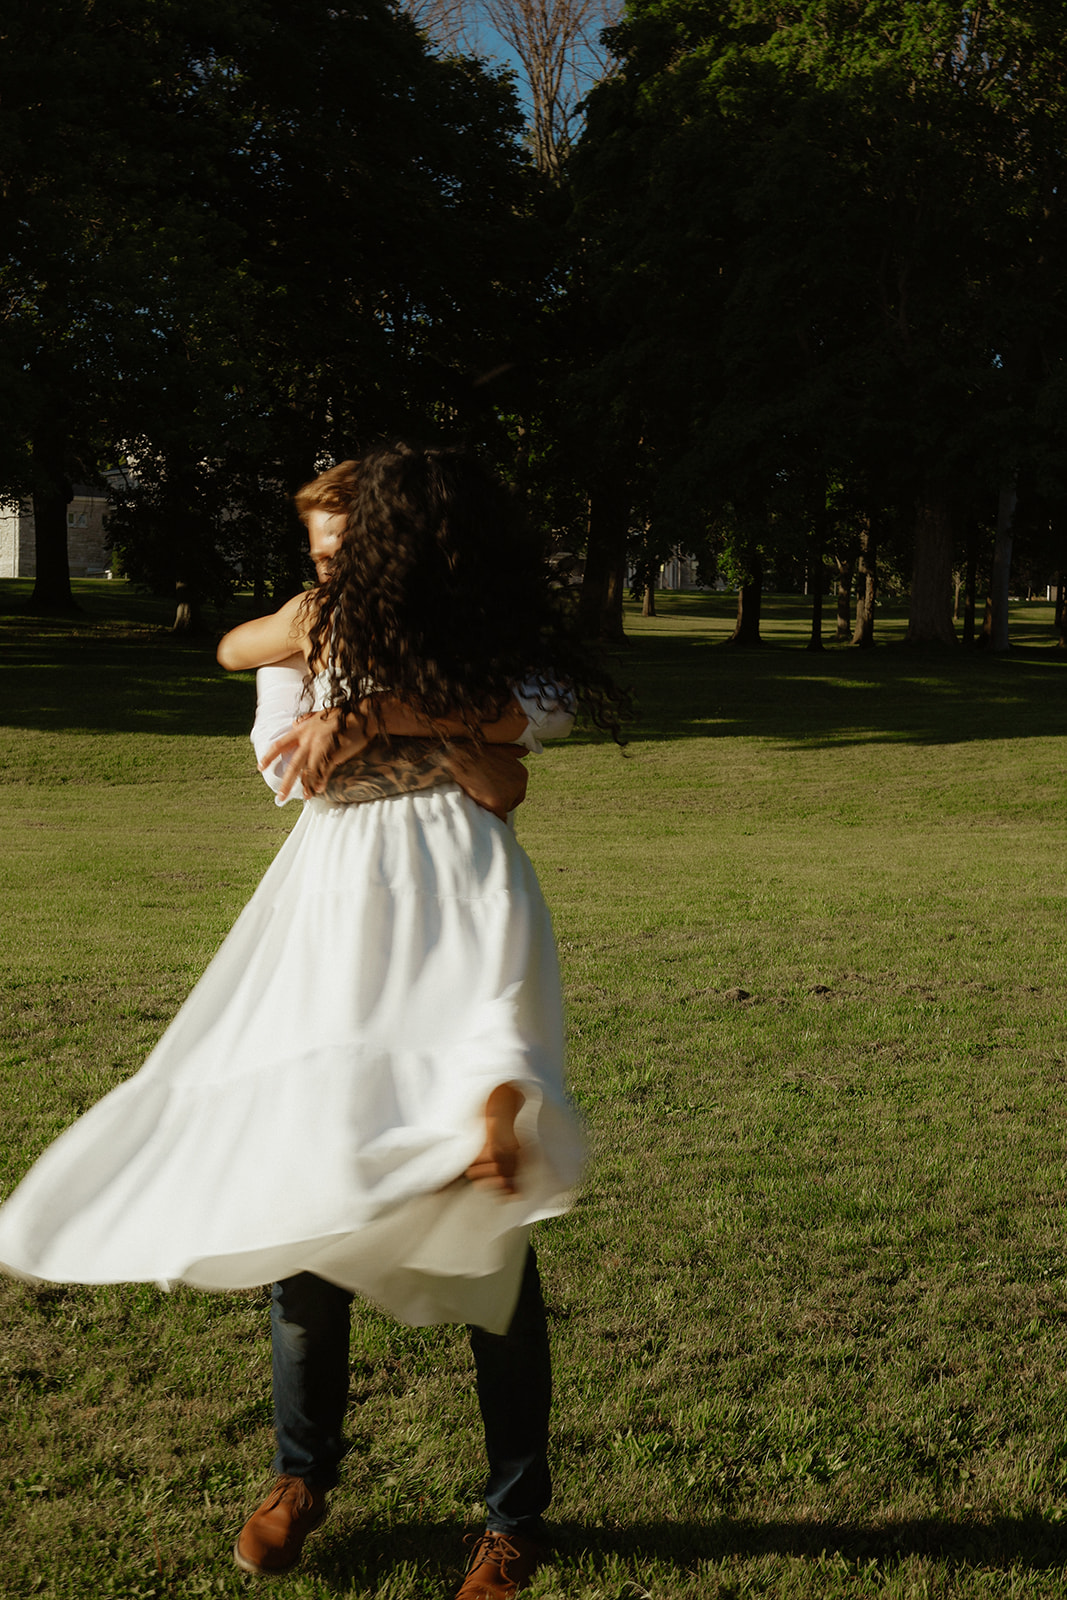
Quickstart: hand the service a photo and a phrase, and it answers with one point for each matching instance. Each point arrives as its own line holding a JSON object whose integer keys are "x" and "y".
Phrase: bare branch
{"x": 555, "y": 45}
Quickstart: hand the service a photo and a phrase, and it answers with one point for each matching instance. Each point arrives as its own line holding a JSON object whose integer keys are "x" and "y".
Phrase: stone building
{"x": 86, "y": 539}
{"x": 680, "y": 571}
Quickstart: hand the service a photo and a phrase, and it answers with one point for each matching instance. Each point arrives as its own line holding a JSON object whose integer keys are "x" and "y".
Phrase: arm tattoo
{"x": 383, "y": 770}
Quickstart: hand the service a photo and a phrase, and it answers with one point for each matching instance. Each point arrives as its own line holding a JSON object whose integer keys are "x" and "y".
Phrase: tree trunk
{"x": 817, "y": 575}
{"x": 648, "y": 600}
{"x": 1000, "y": 582}
{"x": 866, "y": 587}
{"x": 749, "y": 597}
{"x": 970, "y": 584}
{"x": 600, "y": 600}
{"x": 1061, "y": 612}
{"x": 259, "y": 575}
{"x": 930, "y": 608}
{"x": 845, "y": 568}
{"x": 290, "y": 579}
{"x": 52, "y": 494}
{"x": 612, "y": 628}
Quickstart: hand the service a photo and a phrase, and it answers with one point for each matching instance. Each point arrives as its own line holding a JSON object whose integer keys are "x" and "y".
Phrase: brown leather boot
{"x": 502, "y": 1564}
{"x": 273, "y": 1537}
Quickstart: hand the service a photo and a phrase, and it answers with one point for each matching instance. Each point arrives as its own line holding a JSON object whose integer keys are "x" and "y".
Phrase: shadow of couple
{"x": 1030, "y": 1542}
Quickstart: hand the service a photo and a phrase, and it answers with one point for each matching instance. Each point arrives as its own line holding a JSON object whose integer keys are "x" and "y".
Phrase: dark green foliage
{"x": 240, "y": 239}
{"x": 823, "y": 236}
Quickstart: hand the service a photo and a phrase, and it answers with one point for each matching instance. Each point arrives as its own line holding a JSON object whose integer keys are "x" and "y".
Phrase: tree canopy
{"x": 242, "y": 237}
{"x": 791, "y": 299}
{"x": 822, "y": 235}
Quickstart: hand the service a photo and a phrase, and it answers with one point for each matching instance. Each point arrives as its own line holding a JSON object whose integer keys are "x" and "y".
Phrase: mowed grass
{"x": 809, "y": 1316}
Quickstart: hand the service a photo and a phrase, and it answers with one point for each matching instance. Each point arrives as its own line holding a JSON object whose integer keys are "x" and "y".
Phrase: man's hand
{"x": 492, "y": 774}
{"x": 314, "y": 746}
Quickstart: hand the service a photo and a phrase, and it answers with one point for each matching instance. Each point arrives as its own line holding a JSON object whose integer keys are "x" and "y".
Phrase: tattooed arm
{"x": 382, "y": 770}
{"x": 492, "y": 775}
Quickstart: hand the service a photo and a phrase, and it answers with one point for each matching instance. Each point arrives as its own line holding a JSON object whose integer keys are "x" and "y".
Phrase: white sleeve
{"x": 549, "y": 709}
{"x": 279, "y": 696}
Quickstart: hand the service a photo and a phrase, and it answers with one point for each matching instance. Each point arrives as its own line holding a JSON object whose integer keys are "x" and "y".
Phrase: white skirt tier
{"x": 313, "y": 1105}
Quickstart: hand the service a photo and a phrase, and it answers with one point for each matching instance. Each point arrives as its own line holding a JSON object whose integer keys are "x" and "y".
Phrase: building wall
{"x": 17, "y": 542}
{"x": 86, "y": 538}
{"x": 9, "y": 533}
{"x": 679, "y": 572}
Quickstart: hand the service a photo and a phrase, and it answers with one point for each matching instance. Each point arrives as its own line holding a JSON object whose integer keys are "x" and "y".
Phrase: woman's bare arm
{"x": 266, "y": 640}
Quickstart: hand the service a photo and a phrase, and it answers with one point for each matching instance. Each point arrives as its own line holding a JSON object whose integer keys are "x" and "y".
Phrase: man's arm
{"x": 383, "y": 770}
{"x": 387, "y": 714}
{"x": 319, "y": 743}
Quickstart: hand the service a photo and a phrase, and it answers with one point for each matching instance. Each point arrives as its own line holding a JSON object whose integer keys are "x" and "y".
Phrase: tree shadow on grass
{"x": 152, "y": 684}
{"x": 688, "y": 688}
{"x": 343, "y": 1554}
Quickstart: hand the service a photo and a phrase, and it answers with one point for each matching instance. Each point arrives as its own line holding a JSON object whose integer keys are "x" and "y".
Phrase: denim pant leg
{"x": 309, "y": 1342}
{"x": 514, "y": 1372}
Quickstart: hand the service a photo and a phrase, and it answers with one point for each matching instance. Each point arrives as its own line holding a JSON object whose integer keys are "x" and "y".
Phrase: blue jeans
{"x": 309, "y": 1338}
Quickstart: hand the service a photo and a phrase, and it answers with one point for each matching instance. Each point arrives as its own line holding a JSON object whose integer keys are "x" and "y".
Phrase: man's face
{"x": 326, "y": 529}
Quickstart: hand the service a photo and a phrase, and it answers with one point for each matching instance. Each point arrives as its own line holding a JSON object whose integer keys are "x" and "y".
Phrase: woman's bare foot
{"x": 497, "y": 1164}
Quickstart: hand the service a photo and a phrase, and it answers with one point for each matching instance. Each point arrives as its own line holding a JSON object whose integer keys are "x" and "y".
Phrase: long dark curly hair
{"x": 439, "y": 595}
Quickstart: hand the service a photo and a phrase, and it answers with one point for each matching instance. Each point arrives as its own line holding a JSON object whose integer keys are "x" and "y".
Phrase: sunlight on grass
{"x": 808, "y": 1311}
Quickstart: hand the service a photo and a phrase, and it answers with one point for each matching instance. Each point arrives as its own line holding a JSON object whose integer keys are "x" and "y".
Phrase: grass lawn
{"x": 809, "y": 1315}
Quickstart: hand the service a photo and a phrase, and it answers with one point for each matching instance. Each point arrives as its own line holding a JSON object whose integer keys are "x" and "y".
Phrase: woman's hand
{"x": 497, "y": 1163}
{"x": 314, "y": 746}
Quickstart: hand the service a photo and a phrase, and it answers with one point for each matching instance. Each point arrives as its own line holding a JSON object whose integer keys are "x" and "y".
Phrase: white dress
{"x": 315, "y": 1101}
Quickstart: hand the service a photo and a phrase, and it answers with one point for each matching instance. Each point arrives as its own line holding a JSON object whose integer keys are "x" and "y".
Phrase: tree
{"x": 105, "y": 235}
{"x": 814, "y": 218}
{"x": 560, "y": 49}
{"x": 581, "y": 463}
{"x": 294, "y": 227}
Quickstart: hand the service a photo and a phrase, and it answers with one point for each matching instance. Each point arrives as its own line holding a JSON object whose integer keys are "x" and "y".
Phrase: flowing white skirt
{"x": 313, "y": 1105}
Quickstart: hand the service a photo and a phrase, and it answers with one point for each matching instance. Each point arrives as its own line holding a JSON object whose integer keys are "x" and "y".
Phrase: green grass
{"x": 809, "y": 1320}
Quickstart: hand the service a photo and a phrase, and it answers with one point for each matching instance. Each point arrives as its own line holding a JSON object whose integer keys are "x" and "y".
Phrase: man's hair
{"x": 333, "y": 491}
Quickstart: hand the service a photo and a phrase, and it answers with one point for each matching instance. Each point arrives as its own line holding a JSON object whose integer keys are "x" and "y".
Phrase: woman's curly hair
{"x": 439, "y": 594}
